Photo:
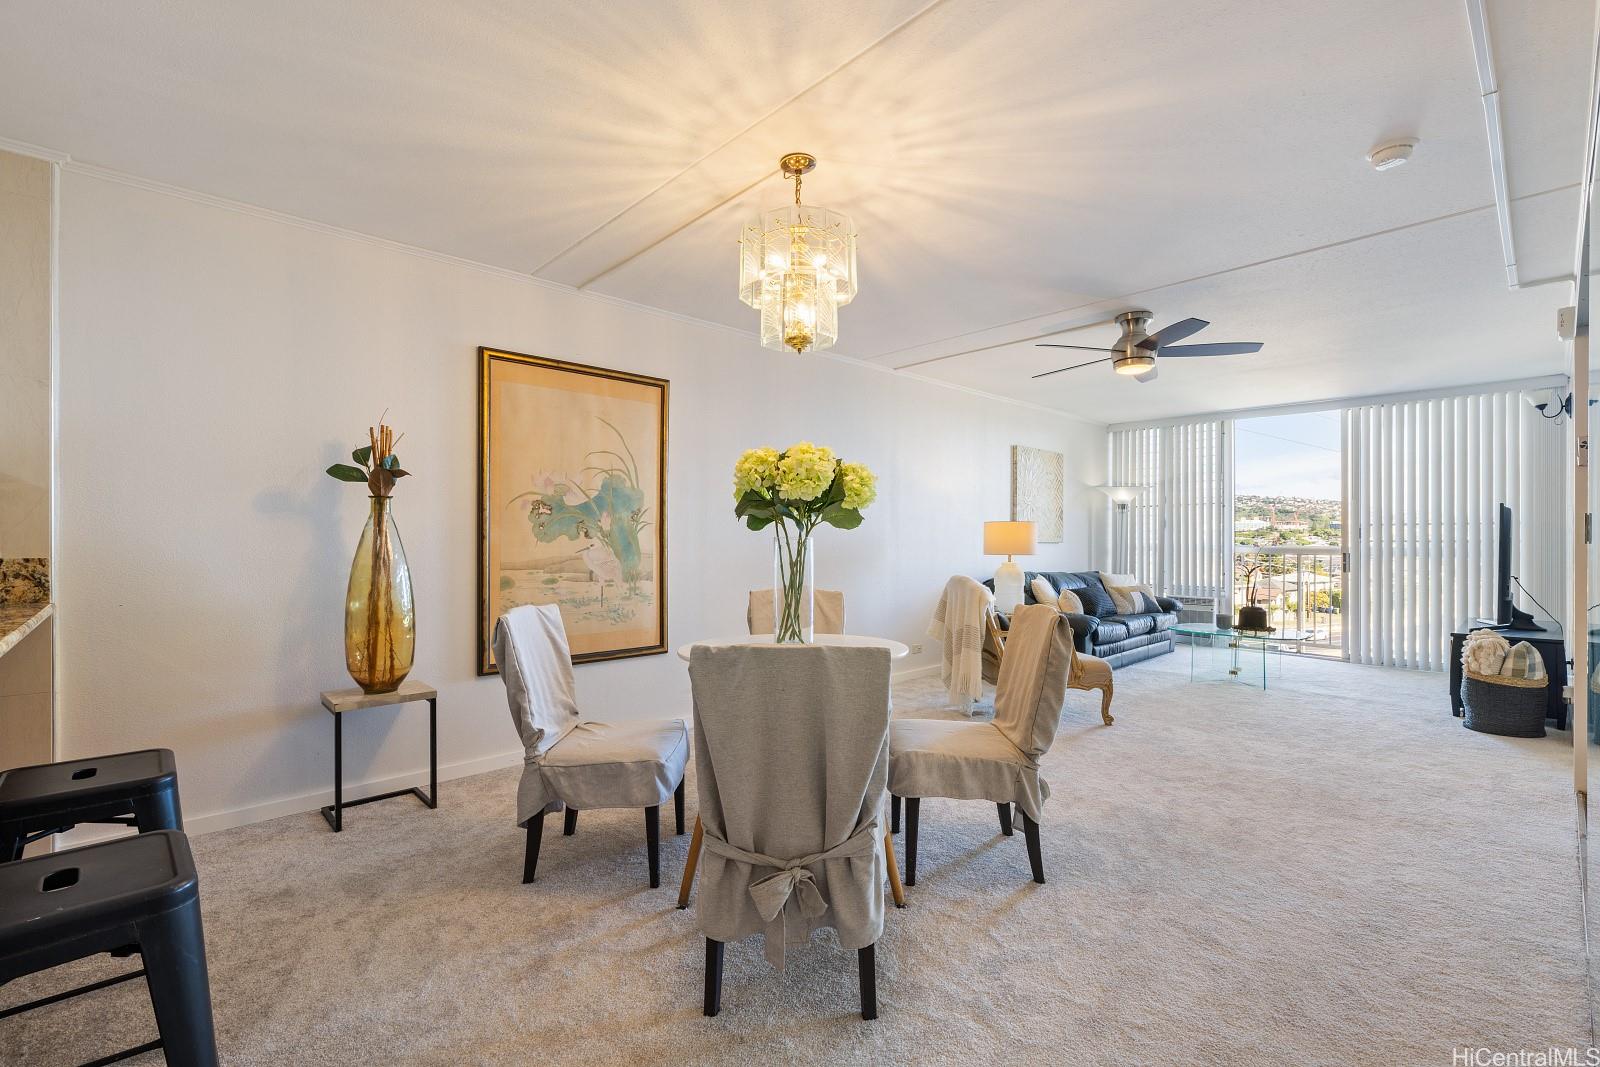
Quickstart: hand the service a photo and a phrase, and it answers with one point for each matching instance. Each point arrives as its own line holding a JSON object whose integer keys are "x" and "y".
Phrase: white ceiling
{"x": 1017, "y": 169}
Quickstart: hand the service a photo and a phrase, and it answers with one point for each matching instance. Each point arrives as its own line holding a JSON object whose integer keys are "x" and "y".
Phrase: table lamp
{"x": 1008, "y": 539}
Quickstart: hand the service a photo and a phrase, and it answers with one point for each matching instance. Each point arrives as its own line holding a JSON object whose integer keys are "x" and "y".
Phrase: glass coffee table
{"x": 1232, "y": 654}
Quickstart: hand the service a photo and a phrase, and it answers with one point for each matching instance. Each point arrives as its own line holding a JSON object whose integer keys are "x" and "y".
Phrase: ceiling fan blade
{"x": 1177, "y": 331}
{"x": 1221, "y": 348}
{"x": 1075, "y": 366}
{"x": 1147, "y": 376}
{"x": 1081, "y": 348}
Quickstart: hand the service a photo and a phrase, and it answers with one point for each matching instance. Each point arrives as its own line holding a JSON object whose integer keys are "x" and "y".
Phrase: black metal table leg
{"x": 335, "y": 814}
{"x": 433, "y": 752}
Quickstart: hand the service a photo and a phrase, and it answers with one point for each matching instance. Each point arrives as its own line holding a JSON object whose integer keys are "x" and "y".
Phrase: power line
{"x": 1288, "y": 440}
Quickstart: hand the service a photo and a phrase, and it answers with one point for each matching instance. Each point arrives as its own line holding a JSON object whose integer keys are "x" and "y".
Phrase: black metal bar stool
{"x": 138, "y": 789}
{"x": 140, "y": 890}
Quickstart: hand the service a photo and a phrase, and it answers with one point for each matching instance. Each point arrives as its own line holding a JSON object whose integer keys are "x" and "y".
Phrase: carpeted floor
{"x": 1331, "y": 872}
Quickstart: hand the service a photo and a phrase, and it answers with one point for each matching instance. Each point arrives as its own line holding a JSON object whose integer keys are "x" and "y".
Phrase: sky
{"x": 1288, "y": 455}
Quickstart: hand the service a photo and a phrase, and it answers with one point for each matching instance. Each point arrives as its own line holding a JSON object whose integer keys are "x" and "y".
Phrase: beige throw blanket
{"x": 958, "y": 623}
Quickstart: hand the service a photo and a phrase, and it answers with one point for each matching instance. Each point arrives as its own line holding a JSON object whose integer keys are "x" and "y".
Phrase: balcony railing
{"x": 1302, "y": 588}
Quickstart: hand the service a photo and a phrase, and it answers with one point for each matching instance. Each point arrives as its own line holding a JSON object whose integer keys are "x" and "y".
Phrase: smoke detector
{"x": 1390, "y": 155}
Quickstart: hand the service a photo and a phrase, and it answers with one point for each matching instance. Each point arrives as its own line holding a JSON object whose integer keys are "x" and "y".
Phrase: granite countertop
{"x": 19, "y": 620}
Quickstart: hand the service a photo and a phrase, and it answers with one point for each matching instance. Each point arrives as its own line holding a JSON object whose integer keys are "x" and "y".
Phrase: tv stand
{"x": 1520, "y": 620}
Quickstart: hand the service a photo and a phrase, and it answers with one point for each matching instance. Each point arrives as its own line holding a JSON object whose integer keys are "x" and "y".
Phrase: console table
{"x": 341, "y": 702}
{"x": 1551, "y": 648}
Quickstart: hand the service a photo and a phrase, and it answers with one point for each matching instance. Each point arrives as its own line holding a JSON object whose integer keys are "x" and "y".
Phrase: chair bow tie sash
{"x": 793, "y": 882}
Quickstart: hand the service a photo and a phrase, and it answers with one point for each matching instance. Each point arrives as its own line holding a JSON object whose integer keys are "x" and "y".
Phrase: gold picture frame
{"x": 572, "y": 508}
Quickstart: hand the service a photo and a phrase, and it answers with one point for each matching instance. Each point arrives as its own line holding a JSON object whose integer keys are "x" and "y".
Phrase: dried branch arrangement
{"x": 377, "y": 463}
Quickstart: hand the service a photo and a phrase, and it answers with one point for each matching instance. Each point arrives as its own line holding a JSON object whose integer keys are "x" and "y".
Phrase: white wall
{"x": 214, "y": 361}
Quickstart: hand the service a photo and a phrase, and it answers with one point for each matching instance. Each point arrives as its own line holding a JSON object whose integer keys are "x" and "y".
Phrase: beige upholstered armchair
{"x": 828, "y": 604}
{"x": 792, "y": 750}
{"x": 1088, "y": 672}
{"x": 996, "y": 761}
{"x": 575, "y": 764}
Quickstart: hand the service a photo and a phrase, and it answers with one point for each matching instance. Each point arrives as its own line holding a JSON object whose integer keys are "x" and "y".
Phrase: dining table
{"x": 897, "y": 650}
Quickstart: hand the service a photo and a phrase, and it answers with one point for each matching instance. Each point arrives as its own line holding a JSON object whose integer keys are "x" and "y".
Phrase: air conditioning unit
{"x": 1195, "y": 609}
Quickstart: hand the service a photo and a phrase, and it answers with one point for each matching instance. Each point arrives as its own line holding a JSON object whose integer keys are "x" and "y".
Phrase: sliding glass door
{"x": 1288, "y": 525}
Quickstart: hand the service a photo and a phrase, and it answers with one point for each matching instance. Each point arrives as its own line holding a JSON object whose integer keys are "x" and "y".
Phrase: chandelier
{"x": 797, "y": 266}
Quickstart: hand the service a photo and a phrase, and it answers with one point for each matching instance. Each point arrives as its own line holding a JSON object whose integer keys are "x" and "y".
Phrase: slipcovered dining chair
{"x": 827, "y": 605}
{"x": 792, "y": 745}
{"x": 575, "y": 764}
{"x": 997, "y": 761}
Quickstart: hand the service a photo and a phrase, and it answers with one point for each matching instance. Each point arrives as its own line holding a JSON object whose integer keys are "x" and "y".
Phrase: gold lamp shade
{"x": 1010, "y": 538}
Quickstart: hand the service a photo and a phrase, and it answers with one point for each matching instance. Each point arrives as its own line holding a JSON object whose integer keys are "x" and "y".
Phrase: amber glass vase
{"x": 379, "y": 616}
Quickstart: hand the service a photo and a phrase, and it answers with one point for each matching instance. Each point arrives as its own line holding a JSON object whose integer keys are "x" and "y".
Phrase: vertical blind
{"x": 1136, "y": 530}
{"x": 1423, "y": 481}
{"x": 1178, "y": 533}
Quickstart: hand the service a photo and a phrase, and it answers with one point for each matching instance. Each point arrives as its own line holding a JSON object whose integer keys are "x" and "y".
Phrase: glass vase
{"x": 793, "y": 567}
{"x": 379, "y": 616}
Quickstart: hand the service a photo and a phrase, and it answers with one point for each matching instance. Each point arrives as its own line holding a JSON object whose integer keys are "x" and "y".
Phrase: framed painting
{"x": 572, "y": 475}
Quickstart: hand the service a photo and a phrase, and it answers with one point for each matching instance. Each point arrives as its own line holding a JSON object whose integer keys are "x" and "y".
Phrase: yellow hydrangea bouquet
{"x": 795, "y": 491}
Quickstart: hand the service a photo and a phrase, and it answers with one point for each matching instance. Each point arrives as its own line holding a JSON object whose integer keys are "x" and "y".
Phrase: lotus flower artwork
{"x": 602, "y": 511}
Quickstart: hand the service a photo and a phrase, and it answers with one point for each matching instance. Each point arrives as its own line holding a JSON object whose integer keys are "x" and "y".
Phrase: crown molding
{"x": 23, "y": 148}
{"x": 1546, "y": 381}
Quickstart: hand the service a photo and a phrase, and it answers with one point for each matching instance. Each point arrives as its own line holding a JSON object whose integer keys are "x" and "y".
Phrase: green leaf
{"x": 842, "y": 517}
{"x": 346, "y": 473}
{"x": 362, "y": 455}
{"x": 753, "y": 503}
{"x": 391, "y": 461}
{"x": 835, "y": 491}
{"x": 758, "y": 522}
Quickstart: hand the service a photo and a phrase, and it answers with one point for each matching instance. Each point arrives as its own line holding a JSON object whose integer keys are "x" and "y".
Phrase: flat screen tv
{"x": 1507, "y": 615}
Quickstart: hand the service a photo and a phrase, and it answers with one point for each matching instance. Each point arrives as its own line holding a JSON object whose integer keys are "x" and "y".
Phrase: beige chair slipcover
{"x": 999, "y": 760}
{"x": 827, "y": 606}
{"x": 1087, "y": 672}
{"x": 569, "y": 762}
{"x": 793, "y": 759}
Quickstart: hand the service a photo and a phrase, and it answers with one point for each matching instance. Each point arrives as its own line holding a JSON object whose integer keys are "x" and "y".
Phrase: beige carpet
{"x": 1332, "y": 872}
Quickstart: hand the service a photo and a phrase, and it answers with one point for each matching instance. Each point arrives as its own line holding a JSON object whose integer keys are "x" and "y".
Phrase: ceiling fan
{"x": 1136, "y": 350}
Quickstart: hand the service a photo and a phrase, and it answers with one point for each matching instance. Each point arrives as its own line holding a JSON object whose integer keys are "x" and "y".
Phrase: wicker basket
{"x": 1510, "y": 707}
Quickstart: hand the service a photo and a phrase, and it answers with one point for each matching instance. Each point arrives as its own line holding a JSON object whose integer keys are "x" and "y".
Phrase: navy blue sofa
{"x": 1117, "y": 639}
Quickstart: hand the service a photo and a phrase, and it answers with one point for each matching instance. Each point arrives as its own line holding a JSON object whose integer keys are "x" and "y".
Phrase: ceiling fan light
{"x": 1137, "y": 363}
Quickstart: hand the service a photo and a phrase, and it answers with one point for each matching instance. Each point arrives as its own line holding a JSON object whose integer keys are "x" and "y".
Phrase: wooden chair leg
{"x": 530, "y": 857}
{"x": 1030, "y": 829}
{"x": 689, "y": 865}
{"x": 913, "y": 809}
{"x": 713, "y": 977}
{"x": 895, "y": 887}
{"x": 867, "y": 966}
{"x": 894, "y": 814}
{"x": 1005, "y": 819}
{"x": 570, "y": 827}
{"x": 677, "y": 807}
{"x": 652, "y": 843}
{"x": 1105, "y": 704}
